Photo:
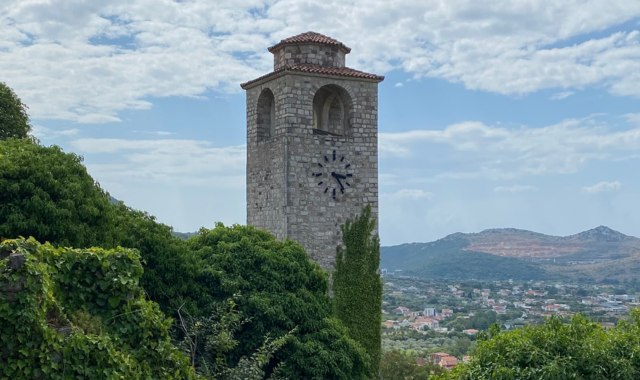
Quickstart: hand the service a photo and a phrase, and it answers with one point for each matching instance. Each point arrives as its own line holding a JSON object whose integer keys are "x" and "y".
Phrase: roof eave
{"x": 274, "y": 74}
{"x": 273, "y": 49}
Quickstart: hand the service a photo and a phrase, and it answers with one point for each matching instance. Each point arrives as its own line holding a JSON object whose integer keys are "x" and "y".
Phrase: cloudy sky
{"x": 520, "y": 114}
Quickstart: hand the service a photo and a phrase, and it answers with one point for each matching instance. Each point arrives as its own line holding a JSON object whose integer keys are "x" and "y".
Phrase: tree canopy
{"x": 48, "y": 194}
{"x": 14, "y": 121}
{"x": 580, "y": 349}
{"x": 277, "y": 289}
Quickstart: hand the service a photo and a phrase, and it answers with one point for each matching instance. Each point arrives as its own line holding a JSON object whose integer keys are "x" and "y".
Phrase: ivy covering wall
{"x": 357, "y": 285}
{"x": 69, "y": 313}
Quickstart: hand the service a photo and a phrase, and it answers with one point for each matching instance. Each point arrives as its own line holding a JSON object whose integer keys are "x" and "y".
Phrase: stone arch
{"x": 332, "y": 109}
{"x": 266, "y": 115}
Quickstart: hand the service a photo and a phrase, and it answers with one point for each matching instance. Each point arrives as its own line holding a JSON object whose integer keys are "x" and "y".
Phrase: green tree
{"x": 14, "y": 121}
{"x": 579, "y": 349}
{"x": 276, "y": 289}
{"x": 396, "y": 365}
{"x": 48, "y": 194}
{"x": 357, "y": 285}
{"x": 171, "y": 270}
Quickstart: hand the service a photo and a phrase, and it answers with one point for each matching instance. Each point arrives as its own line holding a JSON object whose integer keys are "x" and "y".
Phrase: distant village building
{"x": 470, "y": 331}
{"x": 443, "y": 360}
{"x": 402, "y": 310}
{"x": 422, "y": 322}
{"x": 429, "y": 312}
{"x": 446, "y": 313}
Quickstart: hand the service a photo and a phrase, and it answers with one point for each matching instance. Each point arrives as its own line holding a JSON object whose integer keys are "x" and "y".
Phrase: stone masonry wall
{"x": 317, "y": 54}
{"x": 266, "y": 166}
{"x": 283, "y": 195}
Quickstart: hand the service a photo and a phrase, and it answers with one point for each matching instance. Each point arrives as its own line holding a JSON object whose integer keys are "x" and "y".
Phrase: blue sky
{"x": 520, "y": 114}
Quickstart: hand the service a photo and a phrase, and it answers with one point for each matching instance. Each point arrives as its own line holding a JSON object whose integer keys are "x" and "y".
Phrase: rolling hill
{"x": 600, "y": 254}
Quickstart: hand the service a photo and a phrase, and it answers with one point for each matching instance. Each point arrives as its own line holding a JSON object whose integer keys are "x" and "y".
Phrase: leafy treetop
{"x": 277, "y": 289}
{"x": 14, "y": 121}
{"x": 580, "y": 349}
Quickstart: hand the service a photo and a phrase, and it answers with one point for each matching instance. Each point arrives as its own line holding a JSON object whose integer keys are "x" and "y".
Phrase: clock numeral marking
{"x": 334, "y": 194}
{"x": 320, "y": 183}
{"x": 349, "y": 175}
{"x": 342, "y": 159}
{"x": 317, "y": 174}
{"x": 334, "y": 155}
{"x": 326, "y": 189}
{"x": 320, "y": 165}
{"x": 341, "y": 190}
{"x": 326, "y": 159}
{"x": 347, "y": 183}
{"x": 347, "y": 166}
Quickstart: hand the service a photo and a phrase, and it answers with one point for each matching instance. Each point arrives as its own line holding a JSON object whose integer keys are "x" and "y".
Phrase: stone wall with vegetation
{"x": 71, "y": 313}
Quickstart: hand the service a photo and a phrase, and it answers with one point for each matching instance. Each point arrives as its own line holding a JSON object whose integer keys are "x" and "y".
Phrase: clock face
{"x": 333, "y": 174}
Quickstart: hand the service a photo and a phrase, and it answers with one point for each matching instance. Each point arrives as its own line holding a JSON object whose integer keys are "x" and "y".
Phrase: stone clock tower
{"x": 312, "y": 144}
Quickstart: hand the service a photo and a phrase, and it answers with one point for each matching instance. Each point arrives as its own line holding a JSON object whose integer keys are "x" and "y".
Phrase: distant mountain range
{"x": 600, "y": 254}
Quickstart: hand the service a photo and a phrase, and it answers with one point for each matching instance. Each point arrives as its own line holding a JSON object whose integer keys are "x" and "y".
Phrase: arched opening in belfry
{"x": 266, "y": 115}
{"x": 332, "y": 111}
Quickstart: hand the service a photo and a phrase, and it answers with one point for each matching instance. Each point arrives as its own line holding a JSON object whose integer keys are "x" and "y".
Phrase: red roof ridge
{"x": 309, "y": 37}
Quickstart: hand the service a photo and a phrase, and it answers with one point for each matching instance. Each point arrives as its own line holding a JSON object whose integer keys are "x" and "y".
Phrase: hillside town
{"x": 438, "y": 321}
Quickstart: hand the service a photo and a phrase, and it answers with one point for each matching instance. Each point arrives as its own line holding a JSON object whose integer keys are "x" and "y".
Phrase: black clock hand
{"x": 338, "y": 177}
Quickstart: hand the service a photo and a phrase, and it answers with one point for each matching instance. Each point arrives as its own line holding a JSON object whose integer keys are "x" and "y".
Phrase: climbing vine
{"x": 70, "y": 313}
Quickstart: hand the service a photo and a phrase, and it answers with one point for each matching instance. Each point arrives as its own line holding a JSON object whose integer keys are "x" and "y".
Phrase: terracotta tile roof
{"x": 339, "y": 71}
{"x": 316, "y": 69}
{"x": 309, "y": 37}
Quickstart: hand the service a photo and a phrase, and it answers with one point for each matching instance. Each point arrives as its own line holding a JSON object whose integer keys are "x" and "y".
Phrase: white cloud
{"x": 602, "y": 187}
{"x": 166, "y": 161}
{"x": 412, "y": 194}
{"x": 561, "y": 95}
{"x": 514, "y": 189}
{"x": 633, "y": 118}
{"x": 156, "y": 133}
{"x": 87, "y": 61}
{"x": 494, "y": 152}
{"x": 43, "y": 132}
{"x": 398, "y": 84}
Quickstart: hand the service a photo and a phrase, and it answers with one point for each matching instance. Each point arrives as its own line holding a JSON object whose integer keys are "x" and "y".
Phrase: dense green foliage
{"x": 170, "y": 269}
{"x": 277, "y": 289}
{"x": 14, "y": 121}
{"x": 396, "y": 365}
{"x": 68, "y": 313}
{"x": 416, "y": 343}
{"x": 48, "y": 194}
{"x": 448, "y": 259}
{"x": 357, "y": 285}
{"x": 481, "y": 320}
{"x": 209, "y": 340}
{"x": 555, "y": 350}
